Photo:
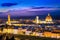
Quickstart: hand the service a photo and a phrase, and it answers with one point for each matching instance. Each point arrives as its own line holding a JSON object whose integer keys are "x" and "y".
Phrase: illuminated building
{"x": 37, "y": 19}
{"x": 9, "y": 22}
{"x": 48, "y": 18}
{"x": 15, "y": 31}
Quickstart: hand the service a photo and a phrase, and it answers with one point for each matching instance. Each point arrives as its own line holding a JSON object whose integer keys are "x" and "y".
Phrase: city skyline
{"x": 29, "y": 20}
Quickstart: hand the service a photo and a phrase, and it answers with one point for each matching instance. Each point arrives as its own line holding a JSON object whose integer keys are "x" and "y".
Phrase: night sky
{"x": 29, "y": 7}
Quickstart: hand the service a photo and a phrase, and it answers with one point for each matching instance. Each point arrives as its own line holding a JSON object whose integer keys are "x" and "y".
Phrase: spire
{"x": 9, "y": 19}
{"x": 37, "y": 19}
{"x": 48, "y": 14}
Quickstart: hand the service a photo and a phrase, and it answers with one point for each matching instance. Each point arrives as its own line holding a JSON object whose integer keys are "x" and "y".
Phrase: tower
{"x": 37, "y": 19}
{"x": 9, "y": 22}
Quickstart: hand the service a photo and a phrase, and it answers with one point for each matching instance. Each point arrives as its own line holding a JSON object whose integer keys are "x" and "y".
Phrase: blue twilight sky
{"x": 16, "y": 4}
{"x": 29, "y": 7}
{"x": 29, "y": 3}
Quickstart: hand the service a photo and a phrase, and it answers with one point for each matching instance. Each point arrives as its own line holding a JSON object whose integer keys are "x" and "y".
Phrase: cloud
{"x": 8, "y": 4}
{"x": 30, "y": 11}
{"x": 38, "y": 7}
{"x": 42, "y": 9}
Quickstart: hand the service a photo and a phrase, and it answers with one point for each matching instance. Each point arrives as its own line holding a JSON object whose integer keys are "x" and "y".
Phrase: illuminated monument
{"x": 37, "y": 19}
{"x": 9, "y": 22}
{"x": 48, "y": 18}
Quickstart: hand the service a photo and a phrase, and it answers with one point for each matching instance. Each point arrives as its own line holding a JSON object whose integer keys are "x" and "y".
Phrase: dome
{"x": 48, "y": 18}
